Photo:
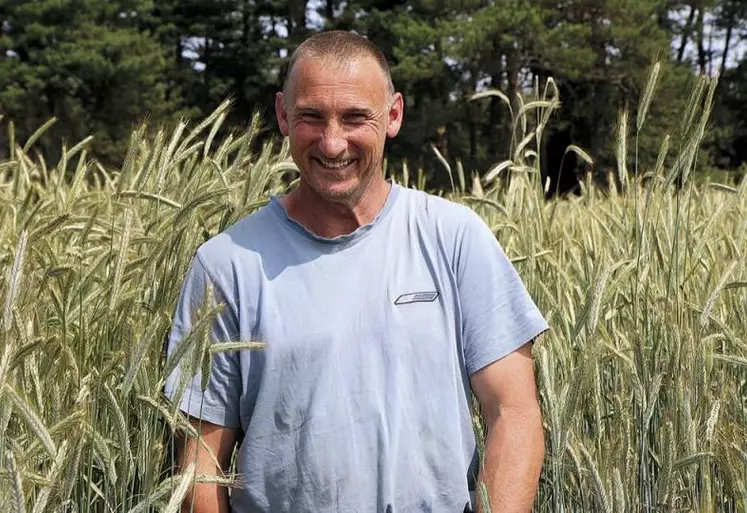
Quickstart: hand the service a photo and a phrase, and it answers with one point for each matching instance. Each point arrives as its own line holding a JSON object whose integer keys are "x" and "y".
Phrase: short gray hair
{"x": 338, "y": 46}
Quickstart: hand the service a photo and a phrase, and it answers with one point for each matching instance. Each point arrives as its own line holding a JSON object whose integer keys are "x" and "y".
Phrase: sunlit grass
{"x": 643, "y": 376}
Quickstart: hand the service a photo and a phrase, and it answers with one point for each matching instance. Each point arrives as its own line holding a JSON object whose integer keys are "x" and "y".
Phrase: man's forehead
{"x": 313, "y": 71}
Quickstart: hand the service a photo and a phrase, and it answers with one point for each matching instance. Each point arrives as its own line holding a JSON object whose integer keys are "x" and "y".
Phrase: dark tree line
{"x": 102, "y": 67}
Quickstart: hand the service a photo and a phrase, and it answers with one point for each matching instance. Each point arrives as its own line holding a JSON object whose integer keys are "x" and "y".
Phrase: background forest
{"x": 100, "y": 68}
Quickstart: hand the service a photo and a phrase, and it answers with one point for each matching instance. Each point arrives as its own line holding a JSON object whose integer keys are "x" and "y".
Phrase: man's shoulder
{"x": 442, "y": 212}
{"x": 240, "y": 241}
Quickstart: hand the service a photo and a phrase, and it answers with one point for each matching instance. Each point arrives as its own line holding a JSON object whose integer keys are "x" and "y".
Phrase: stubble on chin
{"x": 331, "y": 192}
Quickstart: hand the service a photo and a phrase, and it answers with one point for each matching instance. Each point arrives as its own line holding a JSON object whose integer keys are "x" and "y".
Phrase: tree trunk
{"x": 241, "y": 72}
{"x": 207, "y": 70}
{"x": 512, "y": 76}
{"x": 702, "y": 57}
{"x": 686, "y": 31}
{"x": 472, "y": 122}
{"x": 727, "y": 42}
{"x": 298, "y": 16}
{"x": 329, "y": 10}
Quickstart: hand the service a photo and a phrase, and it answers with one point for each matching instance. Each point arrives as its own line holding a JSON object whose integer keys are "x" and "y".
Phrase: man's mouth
{"x": 334, "y": 164}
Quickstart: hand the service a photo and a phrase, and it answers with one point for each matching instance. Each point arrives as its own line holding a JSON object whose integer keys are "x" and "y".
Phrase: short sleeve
{"x": 498, "y": 315}
{"x": 219, "y": 403}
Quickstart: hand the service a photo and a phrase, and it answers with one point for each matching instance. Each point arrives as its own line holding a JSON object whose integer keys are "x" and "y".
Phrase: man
{"x": 380, "y": 308}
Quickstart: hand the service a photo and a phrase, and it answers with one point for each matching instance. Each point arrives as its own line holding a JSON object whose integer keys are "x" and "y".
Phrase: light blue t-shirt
{"x": 360, "y": 399}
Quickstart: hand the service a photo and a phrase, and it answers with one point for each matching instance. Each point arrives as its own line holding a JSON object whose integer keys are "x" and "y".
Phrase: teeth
{"x": 334, "y": 164}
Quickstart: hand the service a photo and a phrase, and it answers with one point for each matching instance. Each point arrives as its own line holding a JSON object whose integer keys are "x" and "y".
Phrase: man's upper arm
{"x": 218, "y": 403}
{"x": 498, "y": 314}
{"x": 507, "y": 384}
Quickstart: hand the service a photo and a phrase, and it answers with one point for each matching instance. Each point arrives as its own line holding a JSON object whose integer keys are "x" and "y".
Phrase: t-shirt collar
{"x": 340, "y": 240}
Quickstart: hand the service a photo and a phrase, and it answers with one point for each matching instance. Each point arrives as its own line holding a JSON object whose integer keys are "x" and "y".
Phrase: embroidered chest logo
{"x": 416, "y": 297}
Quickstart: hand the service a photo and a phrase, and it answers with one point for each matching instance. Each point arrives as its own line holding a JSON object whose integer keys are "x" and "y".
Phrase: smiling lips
{"x": 334, "y": 164}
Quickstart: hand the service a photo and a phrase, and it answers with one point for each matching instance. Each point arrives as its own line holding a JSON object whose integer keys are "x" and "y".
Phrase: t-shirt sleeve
{"x": 219, "y": 402}
{"x": 498, "y": 315}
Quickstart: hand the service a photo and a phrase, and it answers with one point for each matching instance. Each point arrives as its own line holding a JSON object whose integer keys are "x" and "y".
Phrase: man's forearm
{"x": 204, "y": 497}
{"x": 207, "y": 498}
{"x": 514, "y": 451}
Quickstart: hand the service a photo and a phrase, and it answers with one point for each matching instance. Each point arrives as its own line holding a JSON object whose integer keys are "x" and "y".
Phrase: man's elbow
{"x": 524, "y": 423}
{"x": 531, "y": 422}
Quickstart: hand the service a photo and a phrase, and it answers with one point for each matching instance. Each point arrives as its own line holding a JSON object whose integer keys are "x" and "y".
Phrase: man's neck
{"x": 330, "y": 219}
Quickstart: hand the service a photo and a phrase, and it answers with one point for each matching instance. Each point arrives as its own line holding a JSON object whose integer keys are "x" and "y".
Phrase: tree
{"x": 84, "y": 62}
{"x": 101, "y": 67}
{"x": 707, "y": 40}
{"x": 597, "y": 52}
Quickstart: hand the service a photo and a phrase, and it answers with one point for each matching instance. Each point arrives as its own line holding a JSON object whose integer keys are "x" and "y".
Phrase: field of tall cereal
{"x": 642, "y": 378}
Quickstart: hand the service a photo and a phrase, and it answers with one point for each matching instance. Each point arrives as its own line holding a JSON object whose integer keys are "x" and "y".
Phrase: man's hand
{"x": 514, "y": 449}
{"x": 207, "y": 497}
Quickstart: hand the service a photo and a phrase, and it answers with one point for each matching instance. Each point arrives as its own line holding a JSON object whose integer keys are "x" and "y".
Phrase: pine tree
{"x": 85, "y": 62}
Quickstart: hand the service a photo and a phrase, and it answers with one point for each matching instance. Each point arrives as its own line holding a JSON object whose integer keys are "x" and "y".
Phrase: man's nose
{"x": 333, "y": 141}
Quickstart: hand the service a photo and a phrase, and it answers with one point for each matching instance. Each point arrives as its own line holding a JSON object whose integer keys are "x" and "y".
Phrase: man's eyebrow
{"x": 358, "y": 110}
{"x": 351, "y": 111}
{"x": 304, "y": 109}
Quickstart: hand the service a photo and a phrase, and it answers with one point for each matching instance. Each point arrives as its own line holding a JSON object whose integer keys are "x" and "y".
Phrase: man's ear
{"x": 396, "y": 114}
{"x": 281, "y": 114}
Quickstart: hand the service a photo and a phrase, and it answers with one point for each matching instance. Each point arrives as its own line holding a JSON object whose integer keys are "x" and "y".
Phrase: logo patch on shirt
{"x": 416, "y": 297}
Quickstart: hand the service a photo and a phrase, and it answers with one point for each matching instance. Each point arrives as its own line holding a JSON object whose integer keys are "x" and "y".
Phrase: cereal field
{"x": 643, "y": 376}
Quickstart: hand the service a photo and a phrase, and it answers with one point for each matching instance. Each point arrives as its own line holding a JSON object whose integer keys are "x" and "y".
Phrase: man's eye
{"x": 310, "y": 116}
{"x": 355, "y": 118}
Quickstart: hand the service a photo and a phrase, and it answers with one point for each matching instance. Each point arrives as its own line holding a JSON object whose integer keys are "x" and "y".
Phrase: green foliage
{"x": 85, "y": 63}
{"x": 596, "y": 52}
{"x": 102, "y": 67}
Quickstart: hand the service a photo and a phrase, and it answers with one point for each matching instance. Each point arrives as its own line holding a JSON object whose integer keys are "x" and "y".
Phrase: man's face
{"x": 337, "y": 118}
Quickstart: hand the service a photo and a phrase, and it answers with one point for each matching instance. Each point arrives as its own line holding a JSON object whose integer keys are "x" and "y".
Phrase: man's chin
{"x": 338, "y": 191}
{"x": 337, "y": 194}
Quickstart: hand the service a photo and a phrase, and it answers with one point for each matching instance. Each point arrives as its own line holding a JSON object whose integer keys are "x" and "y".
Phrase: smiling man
{"x": 382, "y": 309}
